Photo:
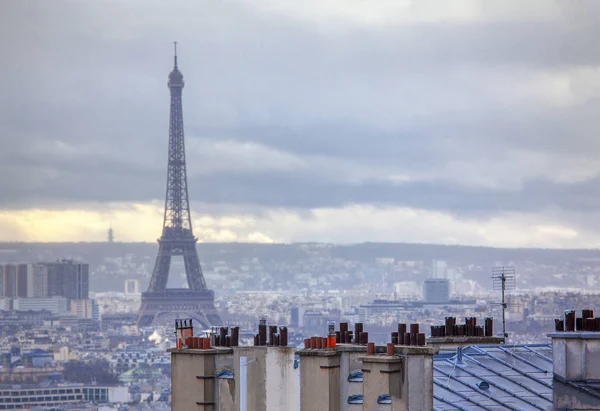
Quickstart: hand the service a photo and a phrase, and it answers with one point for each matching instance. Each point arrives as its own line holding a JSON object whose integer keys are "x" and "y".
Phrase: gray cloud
{"x": 471, "y": 116}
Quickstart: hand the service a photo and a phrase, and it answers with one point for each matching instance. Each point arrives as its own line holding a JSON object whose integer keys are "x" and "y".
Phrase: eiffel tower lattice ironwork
{"x": 161, "y": 304}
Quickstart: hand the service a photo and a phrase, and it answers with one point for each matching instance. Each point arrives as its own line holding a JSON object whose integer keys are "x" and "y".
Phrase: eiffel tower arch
{"x": 160, "y": 304}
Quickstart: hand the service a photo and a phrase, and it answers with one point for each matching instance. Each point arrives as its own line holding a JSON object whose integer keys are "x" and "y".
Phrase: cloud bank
{"x": 340, "y": 121}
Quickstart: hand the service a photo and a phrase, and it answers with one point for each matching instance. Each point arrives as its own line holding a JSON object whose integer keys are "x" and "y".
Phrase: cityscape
{"x": 92, "y": 323}
{"x": 316, "y": 250}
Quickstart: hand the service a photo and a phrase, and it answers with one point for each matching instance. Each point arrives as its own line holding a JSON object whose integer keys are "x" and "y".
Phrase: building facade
{"x": 436, "y": 291}
{"x": 68, "y": 279}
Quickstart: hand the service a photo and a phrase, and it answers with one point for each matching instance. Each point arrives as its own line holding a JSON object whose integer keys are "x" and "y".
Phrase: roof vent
{"x": 356, "y": 376}
{"x": 384, "y": 399}
{"x": 225, "y": 375}
{"x": 459, "y": 356}
{"x": 483, "y": 385}
{"x": 355, "y": 399}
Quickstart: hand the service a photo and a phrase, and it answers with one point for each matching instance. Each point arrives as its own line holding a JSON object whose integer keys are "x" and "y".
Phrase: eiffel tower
{"x": 161, "y": 305}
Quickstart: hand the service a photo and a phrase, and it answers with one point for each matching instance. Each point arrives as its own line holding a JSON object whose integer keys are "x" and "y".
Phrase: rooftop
{"x": 513, "y": 377}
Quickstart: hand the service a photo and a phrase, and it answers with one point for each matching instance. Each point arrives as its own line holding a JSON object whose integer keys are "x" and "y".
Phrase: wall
{"x": 319, "y": 380}
{"x": 350, "y": 361}
{"x": 256, "y": 377}
{"x": 185, "y": 387}
{"x": 282, "y": 379}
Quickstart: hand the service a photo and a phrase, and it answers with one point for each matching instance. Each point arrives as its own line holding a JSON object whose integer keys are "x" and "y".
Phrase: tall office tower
{"x": 9, "y": 280}
{"x": 22, "y": 279}
{"x": 436, "y": 291}
{"x": 37, "y": 281}
{"x": 439, "y": 269}
{"x": 68, "y": 279}
{"x": 160, "y": 304}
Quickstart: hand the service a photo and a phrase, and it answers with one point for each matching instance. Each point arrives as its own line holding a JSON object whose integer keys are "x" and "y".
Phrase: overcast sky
{"x": 463, "y": 122}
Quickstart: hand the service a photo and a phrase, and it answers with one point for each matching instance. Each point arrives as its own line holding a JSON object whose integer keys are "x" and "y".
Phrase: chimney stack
{"x": 452, "y": 335}
{"x": 319, "y": 379}
{"x": 402, "y": 378}
{"x": 576, "y": 359}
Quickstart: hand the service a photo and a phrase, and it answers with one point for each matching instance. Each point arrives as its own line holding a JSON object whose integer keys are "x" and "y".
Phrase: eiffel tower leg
{"x": 145, "y": 317}
{"x": 160, "y": 275}
{"x": 193, "y": 270}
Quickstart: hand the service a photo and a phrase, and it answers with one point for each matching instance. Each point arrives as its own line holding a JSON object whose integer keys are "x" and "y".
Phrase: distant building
{"x": 5, "y": 304}
{"x": 56, "y": 305}
{"x": 22, "y": 277}
{"x": 61, "y": 278}
{"x": 68, "y": 279}
{"x": 9, "y": 280}
{"x": 436, "y": 291}
{"x": 297, "y": 317}
{"x": 57, "y": 397}
{"x": 23, "y": 280}
{"x": 132, "y": 287}
{"x": 85, "y": 309}
{"x": 37, "y": 280}
{"x": 439, "y": 269}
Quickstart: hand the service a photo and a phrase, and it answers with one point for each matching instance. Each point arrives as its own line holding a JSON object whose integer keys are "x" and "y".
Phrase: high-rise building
{"x": 9, "y": 280}
{"x": 68, "y": 279}
{"x": 22, "y": 279}
{"x": 439, "y": 269}
{"x": 18, "y": 281}
{"x": 436, "y": 291}
{"x": 37, "y": 281}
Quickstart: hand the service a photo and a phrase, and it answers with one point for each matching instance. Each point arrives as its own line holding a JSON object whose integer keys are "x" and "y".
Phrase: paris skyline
{"x": 414, "y": 122}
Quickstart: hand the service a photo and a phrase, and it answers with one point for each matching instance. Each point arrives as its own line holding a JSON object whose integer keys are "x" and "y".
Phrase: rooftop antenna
{"x": 504, "y": 279}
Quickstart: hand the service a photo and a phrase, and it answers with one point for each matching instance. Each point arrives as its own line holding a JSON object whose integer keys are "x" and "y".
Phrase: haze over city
{"x": 341, "y": 121}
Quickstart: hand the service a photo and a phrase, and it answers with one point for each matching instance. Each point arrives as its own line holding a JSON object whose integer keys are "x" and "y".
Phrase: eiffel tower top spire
{"x": 175, "y": 77}
{"x": 175, "y": 56}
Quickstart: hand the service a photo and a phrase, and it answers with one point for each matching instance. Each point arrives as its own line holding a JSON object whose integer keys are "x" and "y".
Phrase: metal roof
{"x": 494, "y": 377}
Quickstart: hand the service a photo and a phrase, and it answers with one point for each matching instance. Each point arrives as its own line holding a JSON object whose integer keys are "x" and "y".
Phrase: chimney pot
{"x": 343, "y": 331}
{"x": 283, "y": 336}
{"x": 570, "y": 320}
{"x": 401, "y": 332}
{"x": 371, "y": 348}
{"x": 390, "y": 350}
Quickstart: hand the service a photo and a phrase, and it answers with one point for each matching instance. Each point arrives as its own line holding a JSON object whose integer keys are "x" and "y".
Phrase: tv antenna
{"x": 111, "y": 233}
{"x": 503, "y": 279}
